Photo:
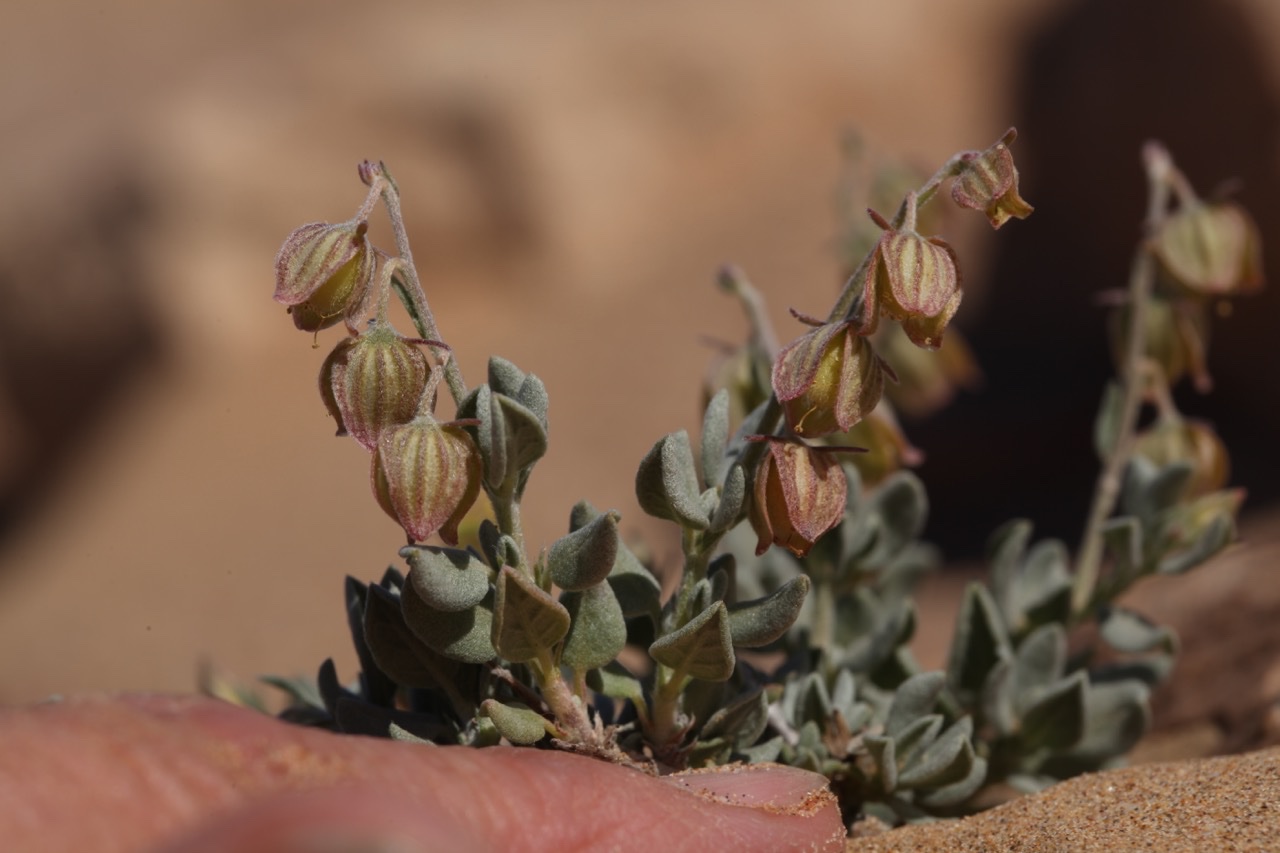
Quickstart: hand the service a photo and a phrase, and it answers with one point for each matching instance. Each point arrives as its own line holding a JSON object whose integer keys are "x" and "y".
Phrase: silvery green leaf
{"x": 582, "y": 514}
{"x": 742, "y": 721}
{"x": 533, "y": 396}
{"x": 397, "y": 650}
{"x": 1056, "y": 721}
{"x": 490, "y": 435}
{"x": 613, "y": 680}
{"x": 1216, "y": 536}
{"x": 902, "y": 506}
{"x": 1150, "y": 490}
{"x": 701, "y": 597}
{"x": 806, "y": 700}
{"x": 875, "y": 644}
{"x": 768, "y": 751}
{"x": 395, "y": 732}
{"x": 597, "y": 630}
{"x": 301, "y": 690}
{"x": 719, "y": 582}
{"x": 957, "y": 792}
{"x": 760, "y": 622}
{"x": 518, "y": 724}
{"x": 1127, "y": 631}
{"x": 1151, "y": 669}
{"x": 1004, "y": 552}
{"x": 715, "y": 438}
{"x": 733, "y": 497}
{"x": 527, "y": 621}
{"x": 1106, "y": 426}
{"x": 844, "y": 693}
{"x": 1116, "y": 717}
{"x": 946, "y": 760}
{"x": 1042, "y": 588}
{"x": 980, "y": 641}
{"x": 667, "y": 483}
{"x": 1038, "y": 663}
{"x": 702, "y": 648}
{"x": 914, "y": 699}
{"x": 505, "y": 377}
{"x": 584, "y": 558}
{"x": 462, "y": 636}
{"x": 1124, "y": 540}
{"x": 526, "y": 438}
{"x": 998, "y": 693}
{"x": 447, "y": 579}
{"x": 881, "y": 751}
{"x": 912, "y": 740}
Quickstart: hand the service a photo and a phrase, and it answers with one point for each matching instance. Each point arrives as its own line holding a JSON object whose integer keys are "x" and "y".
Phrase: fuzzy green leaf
{"x": 504, "y": 377}
{"x": 997, "y": 701}
{"x": 378, "y": 687}
{"x": 703, "y": 648}
{"x": 597, "y": 630}
{"x": 1056, "y": 720}
{"x": 613, "y": 680}
{"x": 913, "y": 700}
{"x": 902, "y": 506}
{"x": 585, "y": 557}
{"x": 914, "y": 738}
{"x": 447, "y": 579}
{"x": 667, "y": 483}
{"x": 462, "y": 636}
{"x": 881, "y": 750}
{"x": 761, "y": 621}
{"x": 957, "y": 792}
{"x": 1042, "y": 590}
{"x": 741, "y": 722}
{"x": 1150, "y": 490}
{"x": 732, "y": 498}
{"x": 946, "y": 760}
{"x": 1127, "y": 631}
{"x": 397, "y": 651}
{"x": 980, "y": 641}
{"x": 1004, "y": 552}
{"x": 1216, "y": 536}
{"x": 1123, "y": 539}
{"x": 518, "y": 724}
{"x": 527, "y": 621}
{"x": 715, "y": 438}
{"x": 1039, "y": 662}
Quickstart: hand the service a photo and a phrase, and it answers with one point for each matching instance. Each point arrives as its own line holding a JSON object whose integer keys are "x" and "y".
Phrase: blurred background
{"x": 573, "y": 175}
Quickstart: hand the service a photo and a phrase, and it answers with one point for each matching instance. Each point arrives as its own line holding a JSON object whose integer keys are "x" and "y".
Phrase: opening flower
{"x": 799, "y": 495}
{"x": 828, "y": 379}
{"x": 323, "y": 272}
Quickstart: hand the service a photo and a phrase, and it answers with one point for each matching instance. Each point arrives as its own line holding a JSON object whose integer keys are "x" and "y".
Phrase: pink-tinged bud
{"x": 914, "y": 280}
{"x": 1190, "y": 441}
{"x": 828, "y": 379}
{"x": 799, "y": 494}
{"x": 988, "y": 182}
{"x": 373, "y": 382}
{"x": 426, "y": 475}
{"x": 323, "y": 272}
{"x": 1211, "y": 249}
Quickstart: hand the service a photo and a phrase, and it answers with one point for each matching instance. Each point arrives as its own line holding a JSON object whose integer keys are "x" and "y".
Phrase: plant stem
{"x": 506, "y": 512}
{"x": 571, "y": 715}
{"x": 407, "y": 284}
{"x": 1161, "y": 175}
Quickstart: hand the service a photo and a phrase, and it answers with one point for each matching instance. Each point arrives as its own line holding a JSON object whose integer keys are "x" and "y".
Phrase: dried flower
{"x": 373, "y": 382}
{"x": 988, "y": 182}
{"x": 799, "y": 494}
{"x": 1211, "y": 248}
{"x": 913, "y": 279}
{"x": 426, "y": 475}
{"x": 323, "y": 272}
{"x": 828, "y": 379}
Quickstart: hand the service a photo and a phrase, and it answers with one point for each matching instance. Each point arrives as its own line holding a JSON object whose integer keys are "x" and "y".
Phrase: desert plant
{"x": 786, "y": 637}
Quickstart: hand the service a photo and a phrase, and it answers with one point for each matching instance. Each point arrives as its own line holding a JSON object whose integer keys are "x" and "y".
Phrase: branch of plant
{"x": 1161, "y": 177}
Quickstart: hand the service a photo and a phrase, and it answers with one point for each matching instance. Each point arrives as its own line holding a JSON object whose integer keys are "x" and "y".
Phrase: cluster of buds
{"x": 378, "y": 385}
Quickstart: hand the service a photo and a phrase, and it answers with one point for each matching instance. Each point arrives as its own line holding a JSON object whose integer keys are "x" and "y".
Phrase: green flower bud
{"x": 989, "y": 182}
{"x": 828, "y": 379}
{"x": 323, "y": 272}
{"x": 914, "y": 280}
{"x": 373, "y": 382}
{"x": 426, "y": 475}
{"x": 1211, "y": 249}
{"x": 887, "y": 447}
{"x": 799, "y": 494}
{"x": 1194, "y": 442}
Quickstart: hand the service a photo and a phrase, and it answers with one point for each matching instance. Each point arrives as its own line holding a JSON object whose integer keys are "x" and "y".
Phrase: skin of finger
{"x": 129, "y": 773}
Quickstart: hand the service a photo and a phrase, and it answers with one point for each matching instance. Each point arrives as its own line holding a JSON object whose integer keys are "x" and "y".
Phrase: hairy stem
{"x": 1161, "y": 175}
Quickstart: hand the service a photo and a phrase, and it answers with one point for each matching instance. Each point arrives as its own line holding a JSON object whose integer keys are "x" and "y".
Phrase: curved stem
{"x": 407, "y": 284}
{"x": 1160, "y": 178}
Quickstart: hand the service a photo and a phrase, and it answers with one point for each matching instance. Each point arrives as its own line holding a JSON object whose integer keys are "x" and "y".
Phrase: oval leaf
{"x": 761, "y": 621}
{"x": 667, "y": 483}
{"x": 463, "y": 635}
{"x": 703, "y": 648}
{"x": 447, "y": 579}
{"x": 585, "y": 557}
{"x": 597, "y": 629}
{"x": 520, "y": 725}
{"x": 527, "y": 622}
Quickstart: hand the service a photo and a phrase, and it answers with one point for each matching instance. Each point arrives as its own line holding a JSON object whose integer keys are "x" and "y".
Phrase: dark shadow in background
{"x": 1095, "y": 84}
{"x": 76, "y": 329}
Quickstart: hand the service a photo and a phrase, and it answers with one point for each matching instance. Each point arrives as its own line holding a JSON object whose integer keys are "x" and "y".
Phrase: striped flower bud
{"x": 426, "y": 475}
{"x": 828, "y": 379}
{"x": 1211, "y": 249}
{"x": 323, "y": 272}
{"x": 913, "y": 279}
{"x": 373, "y": 382}
{"x": 988, "y": 182}
{"x": 799, "y": 494}
{"x": 1193, "y": 442}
